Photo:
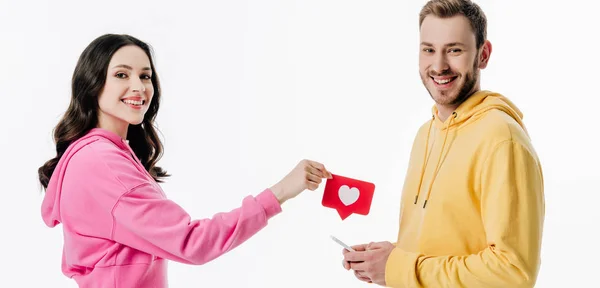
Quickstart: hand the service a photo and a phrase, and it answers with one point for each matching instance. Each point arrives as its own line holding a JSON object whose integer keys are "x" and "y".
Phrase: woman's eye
{"x": 121, "y": 75}
{"x": 147, "y": 77}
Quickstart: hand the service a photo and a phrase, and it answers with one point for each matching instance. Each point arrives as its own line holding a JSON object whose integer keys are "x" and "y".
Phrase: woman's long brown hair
{"x": 81, "y": 116}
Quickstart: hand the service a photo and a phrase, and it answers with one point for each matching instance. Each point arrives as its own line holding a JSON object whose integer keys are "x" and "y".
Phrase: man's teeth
{"x": 133, "y": 102}
{"x": 443, "y": 81}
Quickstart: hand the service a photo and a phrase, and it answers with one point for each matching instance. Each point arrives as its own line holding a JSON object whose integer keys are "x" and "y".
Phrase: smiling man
{"x": 472, "y": 209}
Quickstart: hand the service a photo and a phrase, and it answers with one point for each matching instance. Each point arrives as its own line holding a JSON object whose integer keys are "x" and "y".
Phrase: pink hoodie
{"x": 119, "y": 227}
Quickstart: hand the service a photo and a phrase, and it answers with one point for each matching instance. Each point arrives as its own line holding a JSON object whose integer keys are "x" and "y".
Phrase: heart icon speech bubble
{"x": 345, "y": 200}
{"x": 348, "y": 195}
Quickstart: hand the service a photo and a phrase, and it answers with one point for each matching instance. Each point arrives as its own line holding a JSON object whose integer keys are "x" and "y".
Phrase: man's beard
{"x": 463, "y": 93}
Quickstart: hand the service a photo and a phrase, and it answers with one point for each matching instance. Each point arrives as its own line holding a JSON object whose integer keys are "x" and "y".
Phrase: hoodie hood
{"x": 50, "y": 209}
{"x": 475, "y": 107}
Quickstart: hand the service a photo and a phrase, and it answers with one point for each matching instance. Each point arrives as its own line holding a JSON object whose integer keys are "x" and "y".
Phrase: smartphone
{"x": 342, "y": 243}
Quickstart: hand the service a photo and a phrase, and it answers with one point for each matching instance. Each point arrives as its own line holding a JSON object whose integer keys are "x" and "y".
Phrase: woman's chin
{"x": 135, "y": 121}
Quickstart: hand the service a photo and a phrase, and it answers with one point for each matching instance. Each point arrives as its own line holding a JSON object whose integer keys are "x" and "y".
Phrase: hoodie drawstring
{"x": 437, "y": 166}
{"x": 425, "y": 158}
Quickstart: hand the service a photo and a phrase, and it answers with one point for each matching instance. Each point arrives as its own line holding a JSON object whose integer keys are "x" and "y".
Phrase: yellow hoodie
{"x": 472, "y": 208}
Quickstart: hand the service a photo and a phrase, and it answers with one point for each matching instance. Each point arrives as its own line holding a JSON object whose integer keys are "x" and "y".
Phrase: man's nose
{"x": 440, "y": 64}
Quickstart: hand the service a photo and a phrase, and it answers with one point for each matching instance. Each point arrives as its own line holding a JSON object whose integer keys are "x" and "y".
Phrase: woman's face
{"x": 128, "y": 90}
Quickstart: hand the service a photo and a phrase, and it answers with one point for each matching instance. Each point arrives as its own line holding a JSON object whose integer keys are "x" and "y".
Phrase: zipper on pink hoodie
{"x": 119, "y": 227}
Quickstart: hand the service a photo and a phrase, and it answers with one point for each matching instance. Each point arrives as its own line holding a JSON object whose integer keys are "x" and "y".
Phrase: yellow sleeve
{"x": 512, "y": 205}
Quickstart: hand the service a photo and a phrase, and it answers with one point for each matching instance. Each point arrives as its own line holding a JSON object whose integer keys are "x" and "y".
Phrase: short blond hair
{"x": 451, "y": 8}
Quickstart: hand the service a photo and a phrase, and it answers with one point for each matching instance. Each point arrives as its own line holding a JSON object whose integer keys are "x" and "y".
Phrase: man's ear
{"x": 484, "y": 56}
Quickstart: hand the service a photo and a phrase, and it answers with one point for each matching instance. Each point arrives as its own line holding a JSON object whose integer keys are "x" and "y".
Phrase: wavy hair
{"x": 81, "y": 116}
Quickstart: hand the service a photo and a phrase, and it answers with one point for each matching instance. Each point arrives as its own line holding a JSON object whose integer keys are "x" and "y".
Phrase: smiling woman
{"x": 119, "y": 227}
{"x": 111, "y": 68}
{"x": 128, "y": 91}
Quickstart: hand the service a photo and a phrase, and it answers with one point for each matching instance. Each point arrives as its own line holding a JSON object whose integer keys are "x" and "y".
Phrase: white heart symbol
{"x": 347, "y": 195}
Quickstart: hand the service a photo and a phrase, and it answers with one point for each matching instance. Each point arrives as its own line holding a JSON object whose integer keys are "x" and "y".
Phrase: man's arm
{"x": 512, "y": 206}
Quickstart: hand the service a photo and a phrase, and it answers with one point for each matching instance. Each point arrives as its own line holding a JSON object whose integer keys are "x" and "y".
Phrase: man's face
{"x": 449, "y": 60}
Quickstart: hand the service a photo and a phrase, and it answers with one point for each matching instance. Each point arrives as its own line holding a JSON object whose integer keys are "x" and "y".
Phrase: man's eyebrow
{"x": 454, "y": 44}
{"x": 447, "y": 45}
{"x": 129, "y": 67}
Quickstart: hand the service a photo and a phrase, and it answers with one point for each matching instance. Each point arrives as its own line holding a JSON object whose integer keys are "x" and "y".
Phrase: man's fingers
{"x": 360, "y": 266}
{"x": 360, "y": 247}
{"x": 371, "y": 246}
{"x": 358, "y": 256}
{"x": 346, "y": 265}
{"x": 376, "y": 245}
{"x": 361, "y": 277}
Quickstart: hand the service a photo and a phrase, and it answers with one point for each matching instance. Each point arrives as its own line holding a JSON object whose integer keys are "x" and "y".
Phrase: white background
{"x": 252, "y": 87}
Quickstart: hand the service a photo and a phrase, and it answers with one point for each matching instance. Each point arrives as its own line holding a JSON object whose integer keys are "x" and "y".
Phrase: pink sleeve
{"x": 144, "y": 220}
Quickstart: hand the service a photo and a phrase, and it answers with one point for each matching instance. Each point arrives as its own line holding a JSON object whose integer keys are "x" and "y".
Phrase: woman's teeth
{"x": 134, "y": 102}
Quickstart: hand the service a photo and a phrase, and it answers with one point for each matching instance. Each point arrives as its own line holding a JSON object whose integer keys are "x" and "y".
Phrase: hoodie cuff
{"x": 269, "y": 203}
{"x": 401, "y": 269}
